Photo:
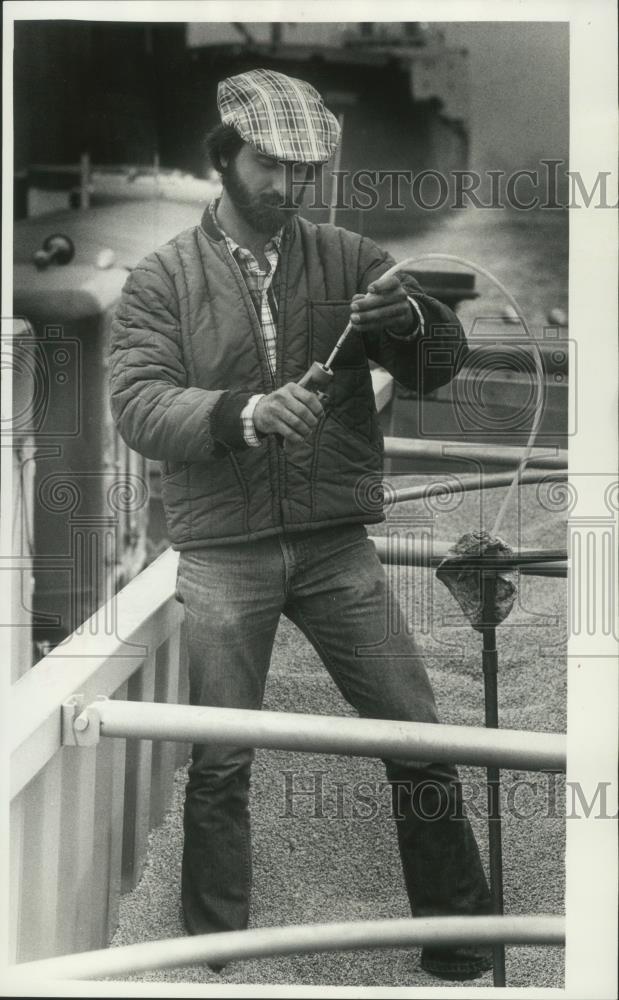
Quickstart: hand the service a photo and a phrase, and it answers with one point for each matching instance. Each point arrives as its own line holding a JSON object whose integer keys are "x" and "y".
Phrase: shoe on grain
{"x": 215, "y": 967}
{"x": 457, "y": 963}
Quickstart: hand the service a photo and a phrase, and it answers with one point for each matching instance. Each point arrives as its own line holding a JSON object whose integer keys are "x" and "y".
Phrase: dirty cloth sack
{"x": 465, "y": 582}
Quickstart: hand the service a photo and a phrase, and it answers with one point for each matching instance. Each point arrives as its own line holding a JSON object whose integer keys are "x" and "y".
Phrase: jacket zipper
{"x": 255, "y": 319}
{"x": 274, "y": 451}
{"x": 279, "y": 366}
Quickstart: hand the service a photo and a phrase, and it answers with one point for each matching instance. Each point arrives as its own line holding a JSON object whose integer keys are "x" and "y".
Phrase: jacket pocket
{"x": 326, "y": 323}
{"x": 171, "y": 469}
{"x": 243, "y": 487}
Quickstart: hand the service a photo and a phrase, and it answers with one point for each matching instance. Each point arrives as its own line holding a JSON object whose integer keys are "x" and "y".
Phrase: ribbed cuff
{"x": 226, "y": 424}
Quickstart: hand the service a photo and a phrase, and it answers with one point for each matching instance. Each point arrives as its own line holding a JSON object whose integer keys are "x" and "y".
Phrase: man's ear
{"x": 224, "y": 162}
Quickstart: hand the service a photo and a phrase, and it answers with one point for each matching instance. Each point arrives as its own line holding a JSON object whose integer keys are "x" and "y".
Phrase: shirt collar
{"x": 273, "y": 243}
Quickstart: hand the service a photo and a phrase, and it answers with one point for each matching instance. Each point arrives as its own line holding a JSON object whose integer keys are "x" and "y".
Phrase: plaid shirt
{"x": 259, "y": 284}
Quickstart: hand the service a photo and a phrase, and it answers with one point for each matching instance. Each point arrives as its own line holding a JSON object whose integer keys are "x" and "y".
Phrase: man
{"x": 264, "y": 488}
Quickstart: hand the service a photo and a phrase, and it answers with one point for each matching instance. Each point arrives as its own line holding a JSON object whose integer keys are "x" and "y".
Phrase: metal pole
{"x": 297, "y": 939}
{"x": 413, "y": 552}
{"x": 465, "y": 484}
{"x": 449, "y": 451}
{"x": 242, "y": 727}
{"x": 490, "y": 664}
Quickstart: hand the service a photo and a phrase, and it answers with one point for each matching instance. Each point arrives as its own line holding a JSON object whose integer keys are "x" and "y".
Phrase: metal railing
{"x": 419, "y": 741}
{"x": 401, "y": 549}
{"x": 267, "y": 942}
{"x": 81, "y": 812}
{"x": 80, "y": 819}
{"x": 500, "y": 454}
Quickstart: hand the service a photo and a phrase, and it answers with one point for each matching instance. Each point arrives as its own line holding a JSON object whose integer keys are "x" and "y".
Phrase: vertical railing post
{"x": 164, "y": 751}
{"x": 138, "y": 782}
{"x": 40, "y": 864}
{"x": 491, "y": 704}
{"x": 76, "y": 847}
{"x": 117, "y": 818}
{"x": 109, "y": 815}
{"x": 16, "y": 840}
{"x": 77, "y": 812}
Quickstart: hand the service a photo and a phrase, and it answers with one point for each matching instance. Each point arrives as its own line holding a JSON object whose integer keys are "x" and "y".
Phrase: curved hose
{"x": 537, "y": 356}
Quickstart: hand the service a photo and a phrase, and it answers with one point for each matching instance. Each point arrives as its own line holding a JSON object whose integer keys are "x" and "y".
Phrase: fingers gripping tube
{"x": 317, "y": 379}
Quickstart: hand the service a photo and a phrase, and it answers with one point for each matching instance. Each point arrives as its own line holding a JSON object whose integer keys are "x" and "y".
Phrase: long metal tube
{"x": 329, "y": 734}
{"x": 490, "y": 663}
{"x": 339, "y": 344}
{"x": 413, "y": 552}
{"x": 296, "y": 939}
{"x": 508, "y": 455}
{"x": 464, "y": 484}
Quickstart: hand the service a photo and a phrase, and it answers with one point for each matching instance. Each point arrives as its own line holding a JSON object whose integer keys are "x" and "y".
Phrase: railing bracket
{"x": 70, "y": 710}
{"x": 81, "y": 726}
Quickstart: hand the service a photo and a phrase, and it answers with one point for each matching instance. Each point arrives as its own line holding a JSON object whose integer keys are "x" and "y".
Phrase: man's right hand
{"x": 291, "y": 411}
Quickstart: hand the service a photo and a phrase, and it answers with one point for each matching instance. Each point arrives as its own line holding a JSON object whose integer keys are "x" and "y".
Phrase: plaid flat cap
{"x": 282, "y": 117}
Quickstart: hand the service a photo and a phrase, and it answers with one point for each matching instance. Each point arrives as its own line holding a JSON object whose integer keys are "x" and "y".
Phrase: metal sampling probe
{"x": 318, "y": 376}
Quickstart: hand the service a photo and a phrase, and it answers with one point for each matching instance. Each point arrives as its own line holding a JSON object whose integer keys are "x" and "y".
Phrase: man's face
{"x": 260, "y": 187}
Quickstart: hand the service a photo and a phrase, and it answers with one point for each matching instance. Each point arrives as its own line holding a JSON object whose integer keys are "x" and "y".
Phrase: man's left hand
{"x": 385, "y": 306}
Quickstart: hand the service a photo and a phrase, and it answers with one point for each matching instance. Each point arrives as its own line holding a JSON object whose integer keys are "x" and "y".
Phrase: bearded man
{"x": 262, "y": 484}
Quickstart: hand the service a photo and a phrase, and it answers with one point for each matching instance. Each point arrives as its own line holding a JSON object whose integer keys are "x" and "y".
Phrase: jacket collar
{"x": 208, "y": 226}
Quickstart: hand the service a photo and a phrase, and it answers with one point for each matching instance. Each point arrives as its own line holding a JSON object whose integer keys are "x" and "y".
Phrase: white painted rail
{"x": 80, "y": 818}
{"x": 418, "y": 741}
{"x": 499, "y": 454}
{"x": 299, "y": 939}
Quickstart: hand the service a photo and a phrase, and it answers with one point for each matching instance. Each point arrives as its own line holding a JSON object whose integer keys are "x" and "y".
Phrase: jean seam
{"x": 328, "y": 662}
{"x": 247, "y": 859}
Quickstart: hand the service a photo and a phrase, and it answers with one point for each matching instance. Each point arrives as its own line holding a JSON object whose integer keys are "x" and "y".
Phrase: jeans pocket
{"x": 177, "y": 589}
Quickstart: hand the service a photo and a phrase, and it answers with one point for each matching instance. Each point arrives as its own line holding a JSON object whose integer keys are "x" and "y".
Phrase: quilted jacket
{"x": 187, "y": 353}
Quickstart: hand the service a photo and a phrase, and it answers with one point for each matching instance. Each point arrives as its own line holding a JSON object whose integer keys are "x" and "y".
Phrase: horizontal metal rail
{"x": 393, "y": 549}
{"x": 508, "y": 455}
{"x": 466, "y": 484}
{"x": 297, "y": 939}
{"x": 418, "y": 741}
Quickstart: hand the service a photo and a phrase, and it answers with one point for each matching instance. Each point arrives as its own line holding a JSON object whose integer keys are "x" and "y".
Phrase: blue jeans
{"x": 331, "y": 584}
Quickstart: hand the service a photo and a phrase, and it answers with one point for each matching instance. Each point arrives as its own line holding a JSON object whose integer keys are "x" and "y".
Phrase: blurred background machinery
{"x": 81, "y": 497}
{"x": 138, "y": 99}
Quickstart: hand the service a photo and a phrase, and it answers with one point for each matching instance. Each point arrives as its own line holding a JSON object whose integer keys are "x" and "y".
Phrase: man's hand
{"x": 291, "y": 411}
{"x": 385, "y": 306}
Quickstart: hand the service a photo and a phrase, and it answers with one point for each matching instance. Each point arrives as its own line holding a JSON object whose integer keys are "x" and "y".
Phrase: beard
{"x": 266, "y": 213}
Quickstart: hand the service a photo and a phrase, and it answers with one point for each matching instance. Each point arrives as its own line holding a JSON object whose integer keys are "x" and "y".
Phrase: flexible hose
{"x": 537, "y": 357}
